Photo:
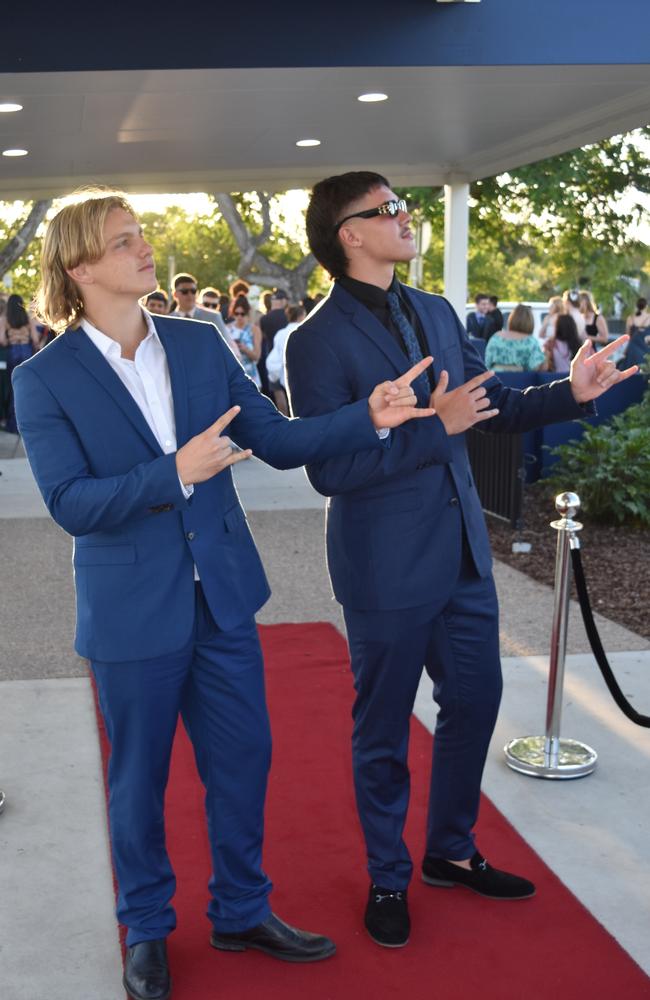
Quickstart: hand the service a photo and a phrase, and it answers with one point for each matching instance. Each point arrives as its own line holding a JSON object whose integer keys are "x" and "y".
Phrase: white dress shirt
{"x": 147, "y": 379}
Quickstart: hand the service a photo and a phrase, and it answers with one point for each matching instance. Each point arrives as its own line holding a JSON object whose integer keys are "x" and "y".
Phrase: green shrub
{"x": 609, "y": 467}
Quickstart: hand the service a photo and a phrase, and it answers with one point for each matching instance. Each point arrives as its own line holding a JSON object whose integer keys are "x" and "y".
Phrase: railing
{"x": 498, "y": 465}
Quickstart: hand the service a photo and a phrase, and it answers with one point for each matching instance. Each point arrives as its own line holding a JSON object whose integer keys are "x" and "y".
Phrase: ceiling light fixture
{"x": 308, "y": 142}
{"x": 14, "y": 152}
{"x": 372, "y": 98}
{"x": 9, "y": 108}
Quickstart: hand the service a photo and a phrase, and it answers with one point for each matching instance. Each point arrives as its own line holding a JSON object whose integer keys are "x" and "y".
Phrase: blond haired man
{"x": 124, "y": 418}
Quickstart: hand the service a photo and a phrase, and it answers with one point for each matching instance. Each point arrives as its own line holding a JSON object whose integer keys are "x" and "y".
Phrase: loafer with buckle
{"x": 274, "y": 937}
{"x": 480, "y": 877}
{"x": 387, "y": 917}
{"x": 146, "y": 972}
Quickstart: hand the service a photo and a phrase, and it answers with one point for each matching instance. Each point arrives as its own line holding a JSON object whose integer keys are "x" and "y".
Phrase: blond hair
{"x": 74, "y": 236}
{"x": 555, "y": 305}
{"x": 587, "y": 304}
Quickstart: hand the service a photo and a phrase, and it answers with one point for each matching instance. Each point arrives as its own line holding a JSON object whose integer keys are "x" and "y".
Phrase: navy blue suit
{"x": 409, "y": 559}
{"x": 158, "y": 643}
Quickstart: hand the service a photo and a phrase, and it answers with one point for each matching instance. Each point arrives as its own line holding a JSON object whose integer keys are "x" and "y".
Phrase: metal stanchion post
{"x": 550, "y": 756}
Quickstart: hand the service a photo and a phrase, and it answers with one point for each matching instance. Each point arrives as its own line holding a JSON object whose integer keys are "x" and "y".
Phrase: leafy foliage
{"x": 609, "y": 467}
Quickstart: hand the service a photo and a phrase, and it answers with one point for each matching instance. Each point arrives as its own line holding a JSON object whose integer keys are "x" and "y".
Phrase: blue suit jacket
{"x": 393, "y": 530}
{"x": 106, "y": 481}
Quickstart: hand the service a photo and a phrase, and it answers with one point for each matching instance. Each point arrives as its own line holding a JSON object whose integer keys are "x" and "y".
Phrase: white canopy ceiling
{"x": 236, "y": 129}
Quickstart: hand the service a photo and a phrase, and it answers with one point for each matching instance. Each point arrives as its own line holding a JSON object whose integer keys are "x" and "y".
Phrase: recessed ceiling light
{"x": 14, "y": 152}
{"x": 372, "y": 98}
{"x": 308, "y": 142}
{"x": 8, "y": 108}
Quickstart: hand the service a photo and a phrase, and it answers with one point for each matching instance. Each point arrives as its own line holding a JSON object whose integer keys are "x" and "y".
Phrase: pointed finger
{"x": 413, "y": 372}
{"x": 225, "y": 419}
{"x": 610, "y": 348}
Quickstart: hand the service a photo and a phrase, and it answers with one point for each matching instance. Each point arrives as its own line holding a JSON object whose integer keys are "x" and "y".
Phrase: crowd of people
{"x": 572, "y": 318}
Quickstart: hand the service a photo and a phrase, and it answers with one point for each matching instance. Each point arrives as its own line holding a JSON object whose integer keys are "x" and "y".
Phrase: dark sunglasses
{"x": 391, "y": 208}
{"x": 210, "y": 305}
{"x": 187, "y": 290}
{"x": 239, "y": 312}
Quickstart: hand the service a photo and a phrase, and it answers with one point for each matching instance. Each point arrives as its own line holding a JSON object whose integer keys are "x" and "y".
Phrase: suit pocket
{"x": 380, "y": 504}
{"x": 234, "y": 520}
{"x": 104, "y": 555}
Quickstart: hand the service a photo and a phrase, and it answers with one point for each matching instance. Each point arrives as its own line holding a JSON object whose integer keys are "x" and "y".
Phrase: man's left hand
{"x": 393, "y": 403}
{"x": 593, "y": 372}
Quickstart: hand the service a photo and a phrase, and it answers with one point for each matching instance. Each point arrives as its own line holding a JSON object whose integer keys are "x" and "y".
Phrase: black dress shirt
{"x": 375, "y": 299}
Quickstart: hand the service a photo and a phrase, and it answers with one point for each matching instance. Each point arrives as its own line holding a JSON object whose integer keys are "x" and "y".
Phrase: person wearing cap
{"x": 275, "y": 319}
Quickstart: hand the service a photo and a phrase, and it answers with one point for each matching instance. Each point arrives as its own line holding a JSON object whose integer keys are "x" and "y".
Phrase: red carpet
{"x": 461, "y": 946}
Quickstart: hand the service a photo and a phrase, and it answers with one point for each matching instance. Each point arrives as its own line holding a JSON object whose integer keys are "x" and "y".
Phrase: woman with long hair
{"x": 564, "y": 345}
{"x": 21, "y": 338}
{"x": 247, "y": 335}
{"x": 555, "y": 309}
{"x": 638, "y": 327}
{"x": 595, "y": 323}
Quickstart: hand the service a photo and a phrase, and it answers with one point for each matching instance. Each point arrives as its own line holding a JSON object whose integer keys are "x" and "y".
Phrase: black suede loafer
{"x": 480, "y": 877}
{"x": 278, "y": 939}
{"x": 146, "y": 972}
{"x": 387, "y": 917}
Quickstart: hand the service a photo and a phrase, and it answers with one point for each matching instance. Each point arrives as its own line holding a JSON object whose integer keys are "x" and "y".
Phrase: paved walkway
{"x": 57, "y": 899}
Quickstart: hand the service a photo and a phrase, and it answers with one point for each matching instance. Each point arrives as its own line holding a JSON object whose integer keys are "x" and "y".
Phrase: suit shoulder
{"x": 48, "y": 356}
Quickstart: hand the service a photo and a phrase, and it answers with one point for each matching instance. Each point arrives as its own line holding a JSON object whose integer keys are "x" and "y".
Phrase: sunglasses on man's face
{"x": 188, "y": 290}
{"x": 210, "y": 305}
{"x": 391, "y": 208}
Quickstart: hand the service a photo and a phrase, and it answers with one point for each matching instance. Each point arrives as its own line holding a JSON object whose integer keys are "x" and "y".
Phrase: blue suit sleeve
{"x": 317, "y": 383}
{"x": 78, "y": 501}
{"x": 287, "y": 444}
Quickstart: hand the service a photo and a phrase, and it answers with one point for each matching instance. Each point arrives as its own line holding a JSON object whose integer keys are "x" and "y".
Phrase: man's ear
{"x": 81, "y": 274}
{"x": 349, "y": 238}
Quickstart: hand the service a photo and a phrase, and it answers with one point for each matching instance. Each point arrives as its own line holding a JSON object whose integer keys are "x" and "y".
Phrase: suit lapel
{"x": 178, "y": 380}
{"x": 93, "y": 361}
{"x": 371, "y": 327}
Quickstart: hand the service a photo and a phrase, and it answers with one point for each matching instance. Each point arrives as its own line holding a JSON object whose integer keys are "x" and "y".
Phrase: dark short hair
{"x": 494, "y": 300}
{"x": 182, "y": 277}
{"x": 279, "y": 293}
{"x": 328, "y": 202}
{"x": 481, "y": 295}
{"x": 158, "y": 296}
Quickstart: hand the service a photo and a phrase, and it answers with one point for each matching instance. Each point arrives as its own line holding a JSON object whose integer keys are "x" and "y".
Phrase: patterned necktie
{"x": 410, "y": 339}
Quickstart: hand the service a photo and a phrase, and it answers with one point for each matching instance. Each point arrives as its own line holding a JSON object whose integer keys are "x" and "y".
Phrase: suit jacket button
{"x": 190, "y": 535}
{"x": 454, "y": 502}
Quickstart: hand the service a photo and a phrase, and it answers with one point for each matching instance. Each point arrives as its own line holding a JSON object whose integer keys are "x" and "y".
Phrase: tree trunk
{"x": 18, "y": 243}
{"x": 255, "y": 266}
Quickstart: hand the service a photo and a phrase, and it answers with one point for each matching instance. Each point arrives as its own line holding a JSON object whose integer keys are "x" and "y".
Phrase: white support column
{"x": 456, "y": 235}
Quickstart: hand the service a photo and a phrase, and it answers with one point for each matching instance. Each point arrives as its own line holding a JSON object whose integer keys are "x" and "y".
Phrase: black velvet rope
{"x": 597, "y": 646}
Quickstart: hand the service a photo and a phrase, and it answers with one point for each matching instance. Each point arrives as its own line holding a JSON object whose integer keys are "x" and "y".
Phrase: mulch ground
{"x": 616, "y": 559}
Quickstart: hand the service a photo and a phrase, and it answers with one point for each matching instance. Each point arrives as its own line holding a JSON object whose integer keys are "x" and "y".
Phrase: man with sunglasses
{"x": 408, "y": 551}
{"x": 185, "y": 289}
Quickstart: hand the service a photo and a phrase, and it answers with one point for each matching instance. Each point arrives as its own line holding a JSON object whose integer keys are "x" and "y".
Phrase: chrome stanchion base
{"x": 530, "y": 755}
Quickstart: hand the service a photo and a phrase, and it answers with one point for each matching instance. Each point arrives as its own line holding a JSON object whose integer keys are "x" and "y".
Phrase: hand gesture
{"x": 208, "y": 453}
{"x": 593, "y": 372}
{"x": 393, "y": 403}
{"x": 465, "y": 406}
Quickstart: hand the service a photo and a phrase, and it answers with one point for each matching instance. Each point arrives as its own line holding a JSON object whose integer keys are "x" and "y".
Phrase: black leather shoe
{"x": 387, "y": 917}
{"x": 278, "y": 939}
{"x": 146, "y": 972}
{"x": 480, "y": 877}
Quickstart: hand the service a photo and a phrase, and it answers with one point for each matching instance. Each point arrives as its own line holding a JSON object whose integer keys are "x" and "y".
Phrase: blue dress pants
{"x": 456, "y": 639}
{"x": 216, "y": 684}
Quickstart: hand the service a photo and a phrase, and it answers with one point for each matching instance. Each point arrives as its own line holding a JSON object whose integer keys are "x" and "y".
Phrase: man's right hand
{"x": 209, "y": 453}
{"x": 463, "y": 407}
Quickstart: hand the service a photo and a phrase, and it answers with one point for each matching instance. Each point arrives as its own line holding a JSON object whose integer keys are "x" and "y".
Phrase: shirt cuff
{"x": 383, "y": 433}
{"x": 187, "y": 490}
